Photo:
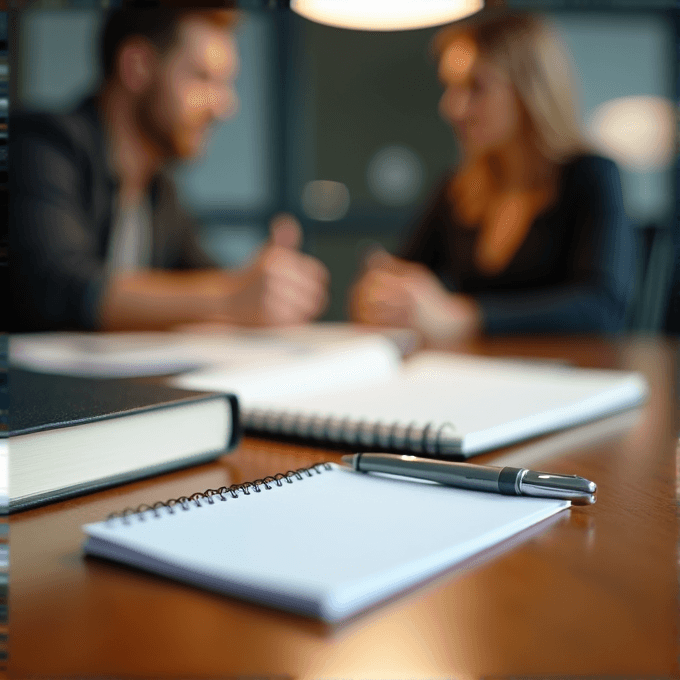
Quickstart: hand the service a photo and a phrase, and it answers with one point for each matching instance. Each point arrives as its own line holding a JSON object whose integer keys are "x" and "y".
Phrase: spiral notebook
{"x": 323, "y": 542}
{"x": 435, "y": 404}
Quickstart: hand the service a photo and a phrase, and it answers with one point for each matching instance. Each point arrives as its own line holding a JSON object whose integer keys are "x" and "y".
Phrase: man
{"x": 97, "y": 237}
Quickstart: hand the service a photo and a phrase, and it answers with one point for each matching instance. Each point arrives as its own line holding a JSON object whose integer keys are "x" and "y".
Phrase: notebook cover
{"x": 41, "y": 401}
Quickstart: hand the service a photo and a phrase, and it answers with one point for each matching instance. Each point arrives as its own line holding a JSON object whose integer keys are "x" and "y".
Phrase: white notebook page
{"x": 361, "y": 361}
{"x": 157, "y": 353}
{"x": 325, "y": 546}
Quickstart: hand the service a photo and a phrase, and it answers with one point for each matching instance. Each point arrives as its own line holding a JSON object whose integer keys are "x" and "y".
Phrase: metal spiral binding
{"x": 184, "y": 502}
{"x": 429, "y": 439}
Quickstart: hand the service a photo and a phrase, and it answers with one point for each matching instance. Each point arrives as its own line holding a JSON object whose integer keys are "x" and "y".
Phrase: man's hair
{"x": 159, "y": 24}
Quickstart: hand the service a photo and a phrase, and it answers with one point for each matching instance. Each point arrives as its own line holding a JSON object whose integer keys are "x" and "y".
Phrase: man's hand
{"x": 395, "y": 292}
{"x": 281, "y": 286}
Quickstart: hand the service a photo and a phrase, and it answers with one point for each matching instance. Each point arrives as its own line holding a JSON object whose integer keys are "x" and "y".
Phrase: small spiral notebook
{"x": 323, "y": 542}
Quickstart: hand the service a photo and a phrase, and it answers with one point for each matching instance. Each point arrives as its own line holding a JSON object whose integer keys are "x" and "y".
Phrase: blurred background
{"x": 340, "y": 127}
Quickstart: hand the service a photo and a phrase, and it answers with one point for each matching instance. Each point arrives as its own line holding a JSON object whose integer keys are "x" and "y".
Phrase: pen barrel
{"x": 462, "y": 475}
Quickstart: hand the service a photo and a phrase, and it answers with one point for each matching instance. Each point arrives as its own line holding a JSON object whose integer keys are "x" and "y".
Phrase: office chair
{"x": 672, "y": 320}
{"x": 655, "y": 263}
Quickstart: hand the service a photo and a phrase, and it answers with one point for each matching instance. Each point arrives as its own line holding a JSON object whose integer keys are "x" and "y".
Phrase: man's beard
{"x": 169, "y": 140}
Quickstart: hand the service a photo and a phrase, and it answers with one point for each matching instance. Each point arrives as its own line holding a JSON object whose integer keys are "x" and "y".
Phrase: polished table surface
{"x": 593, "y": 593}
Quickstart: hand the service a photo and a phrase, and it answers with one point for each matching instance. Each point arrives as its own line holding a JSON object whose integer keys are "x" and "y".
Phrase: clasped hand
{"x": 281, "y": 285}
{"x": 395, "y": 292}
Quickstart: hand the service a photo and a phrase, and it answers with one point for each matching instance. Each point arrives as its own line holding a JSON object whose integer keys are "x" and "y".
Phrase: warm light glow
{"x": 457, "y": 60}
{"x": 637, "y": 132}
{"x": 385, "y": 15}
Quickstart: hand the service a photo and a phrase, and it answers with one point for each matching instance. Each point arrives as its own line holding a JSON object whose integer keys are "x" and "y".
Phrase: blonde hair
{"x": 539, "y": 66}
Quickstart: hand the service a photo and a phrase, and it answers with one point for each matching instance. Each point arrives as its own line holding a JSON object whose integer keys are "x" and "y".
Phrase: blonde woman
{"x": 529, "y": 233}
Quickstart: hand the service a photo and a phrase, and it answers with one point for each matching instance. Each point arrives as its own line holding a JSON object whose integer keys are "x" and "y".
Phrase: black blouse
{"x": 573, "y": 272}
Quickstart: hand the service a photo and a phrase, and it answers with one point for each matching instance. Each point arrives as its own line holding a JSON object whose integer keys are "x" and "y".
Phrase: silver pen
{"x": 510, "y": 481}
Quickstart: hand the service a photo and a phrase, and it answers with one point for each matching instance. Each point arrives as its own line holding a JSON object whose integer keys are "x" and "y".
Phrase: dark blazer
{"x": 62, "y": 203}
{"x": 574, "y": 272}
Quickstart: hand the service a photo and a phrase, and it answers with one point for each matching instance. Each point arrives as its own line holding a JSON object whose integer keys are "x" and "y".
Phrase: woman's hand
{"x": 395, "y": 292}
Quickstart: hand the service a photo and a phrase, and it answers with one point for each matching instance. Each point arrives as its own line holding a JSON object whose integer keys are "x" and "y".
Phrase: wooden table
{"x": 595, "y": 593}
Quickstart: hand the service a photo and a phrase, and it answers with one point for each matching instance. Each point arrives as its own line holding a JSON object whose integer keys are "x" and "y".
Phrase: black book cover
{"x": 42, "y": 401}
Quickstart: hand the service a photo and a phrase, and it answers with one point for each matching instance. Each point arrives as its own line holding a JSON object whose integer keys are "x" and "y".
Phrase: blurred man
{"x": 98, "y": 239}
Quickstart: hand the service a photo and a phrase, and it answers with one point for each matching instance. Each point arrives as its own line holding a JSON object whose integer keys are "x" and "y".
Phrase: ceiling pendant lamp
{"x": 385, "y": 15}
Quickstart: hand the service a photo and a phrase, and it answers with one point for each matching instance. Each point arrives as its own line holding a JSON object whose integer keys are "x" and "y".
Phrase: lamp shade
{"x": 385, "y": 15}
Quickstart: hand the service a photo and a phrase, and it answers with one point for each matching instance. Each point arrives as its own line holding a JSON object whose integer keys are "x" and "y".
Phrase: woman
{"x": 529, "y": 234}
